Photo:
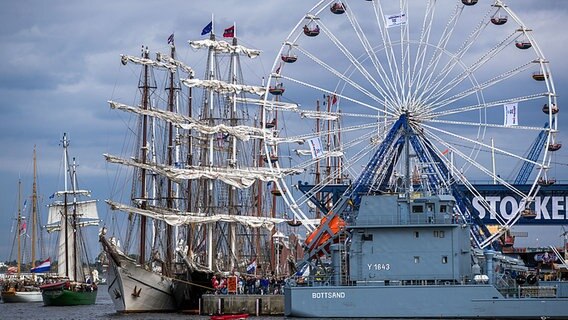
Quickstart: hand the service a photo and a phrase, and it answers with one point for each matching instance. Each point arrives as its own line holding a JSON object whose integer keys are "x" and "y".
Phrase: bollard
{"x": 220, "y": 306}
{"x": 257, "y": 306}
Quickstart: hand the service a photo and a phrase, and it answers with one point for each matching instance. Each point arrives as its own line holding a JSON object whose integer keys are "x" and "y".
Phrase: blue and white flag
{"x": 394, "y": 20}
{"x": 304, "y": 271}
{"x": 511, "y": 115}
{"x": 208, "y": 28}
{"x": 251, "y": 268}
{"x": 316, "y": 147}
{"x": 43, "y": 267}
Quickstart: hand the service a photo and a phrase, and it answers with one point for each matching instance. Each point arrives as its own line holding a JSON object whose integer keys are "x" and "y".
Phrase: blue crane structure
{"x": 533, "y": 154}
{"x": 375, "y": 178}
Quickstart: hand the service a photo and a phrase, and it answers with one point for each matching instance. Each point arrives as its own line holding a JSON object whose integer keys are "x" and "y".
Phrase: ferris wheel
{"x": 462, "y": 86}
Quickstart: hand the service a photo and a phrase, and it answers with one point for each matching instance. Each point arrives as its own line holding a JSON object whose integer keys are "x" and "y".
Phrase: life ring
{"x": 520, "y": 279}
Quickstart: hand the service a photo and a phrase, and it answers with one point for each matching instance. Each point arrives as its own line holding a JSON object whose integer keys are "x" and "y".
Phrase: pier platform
{"x": 253, "y": 304}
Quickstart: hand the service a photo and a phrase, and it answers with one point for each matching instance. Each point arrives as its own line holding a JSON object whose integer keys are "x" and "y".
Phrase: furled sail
{"x": 176, "y": 218}
{"x": 148, "y": 62}
{"x": 240, "y": 132}
{"x": 239, "y": 178}
{"x": 224, "y": 46}
{"x": 271, "y": 105}
{"x": 171, "y": 61}
{"x": 224, "y": 87}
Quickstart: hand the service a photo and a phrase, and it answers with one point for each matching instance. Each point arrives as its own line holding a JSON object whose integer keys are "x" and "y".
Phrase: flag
{"x": 445, "y": 152}
{"x": 304, "y": 271}
{"x": 334, "y": 100}
{"x": 394, "y": 20}
{"x": 43, "y": 267}
{"x": 208, "y": 28}
{"x": 511, "y": 116}
{"x": 251, "y": 268}
{"x": 171, "y": 39}
{"x": 315, "y": 147}
{"x": 12, "y": 270}
{"x": 229, "y": 32}
{"x": 23, "y": 228}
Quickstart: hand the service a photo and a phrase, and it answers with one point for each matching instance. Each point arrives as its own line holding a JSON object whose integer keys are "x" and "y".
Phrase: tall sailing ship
{"x": 68, "y": 215}
{"x": 25, "y": 288}
{"x": 198, "y": 205}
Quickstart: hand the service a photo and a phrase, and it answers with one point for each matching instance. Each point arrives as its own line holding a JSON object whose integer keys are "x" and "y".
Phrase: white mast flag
{"x": 394, "y": 20}
{"x": 315, "y": 147}
{"x": 511, "y": 115}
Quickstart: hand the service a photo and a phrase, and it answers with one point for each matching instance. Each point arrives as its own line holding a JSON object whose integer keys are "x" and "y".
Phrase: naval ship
{"x": 410, "y": 252}
{"x": 410, "y": 258}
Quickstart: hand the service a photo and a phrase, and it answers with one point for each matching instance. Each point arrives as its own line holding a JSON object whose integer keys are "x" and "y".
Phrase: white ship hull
{"x": 135, "y": 289}
{"x": 22, "y": 296}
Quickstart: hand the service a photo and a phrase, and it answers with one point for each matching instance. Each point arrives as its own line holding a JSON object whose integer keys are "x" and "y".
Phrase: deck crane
{"x": 533, "y": 154}
{"x": 375, "y": 179}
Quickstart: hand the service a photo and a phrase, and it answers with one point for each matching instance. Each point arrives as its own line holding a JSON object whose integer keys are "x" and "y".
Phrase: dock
{"x": 253, "y": 304}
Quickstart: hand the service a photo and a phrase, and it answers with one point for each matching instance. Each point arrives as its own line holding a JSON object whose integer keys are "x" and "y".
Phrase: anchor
{"x": 136, "y": 293}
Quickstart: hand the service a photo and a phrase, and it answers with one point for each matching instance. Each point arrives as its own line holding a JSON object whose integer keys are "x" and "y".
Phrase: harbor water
{"x": 103, "y": 309}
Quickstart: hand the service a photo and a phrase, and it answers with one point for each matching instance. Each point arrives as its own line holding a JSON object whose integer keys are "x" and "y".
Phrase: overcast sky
{"x": 59, "y": 64}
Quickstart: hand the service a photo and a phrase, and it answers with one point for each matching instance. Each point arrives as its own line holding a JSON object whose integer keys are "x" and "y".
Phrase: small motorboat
{"x": 230, "y": 316}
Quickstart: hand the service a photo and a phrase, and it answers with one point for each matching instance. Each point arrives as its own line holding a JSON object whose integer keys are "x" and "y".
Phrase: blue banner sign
{"x": 549, "y": 204}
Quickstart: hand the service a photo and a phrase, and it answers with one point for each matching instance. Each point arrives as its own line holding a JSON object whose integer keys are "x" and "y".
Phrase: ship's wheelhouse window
{"x": 429, "y": 207}
{"x": 416, "y": 234}
{"x": 443, "y": 208}
{"x": 439, "y": 234}
{"x": 417, "y": 209}
{"x": 444, "y": 259}
{"x": 367, "y": 237}
{"x": 416, "y": 259}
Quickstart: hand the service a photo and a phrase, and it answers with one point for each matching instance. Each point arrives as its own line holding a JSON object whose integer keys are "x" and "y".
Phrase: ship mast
{"x": 170, "y": 161}
{"x": 19, "y": 225}
{"x": 143, "y": 154}
{"x": 34, "y": 210}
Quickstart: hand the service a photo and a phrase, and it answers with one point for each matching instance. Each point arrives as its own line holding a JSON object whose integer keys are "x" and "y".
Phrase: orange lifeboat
{"x": 319, "y": 236}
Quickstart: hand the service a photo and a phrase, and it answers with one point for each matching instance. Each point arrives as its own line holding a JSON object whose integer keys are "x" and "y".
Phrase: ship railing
{"x": 529, "y": 292}
{"x": 412, "y": 219}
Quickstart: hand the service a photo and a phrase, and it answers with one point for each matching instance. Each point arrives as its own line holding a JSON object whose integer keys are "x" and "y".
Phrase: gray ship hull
{"x": 440, "y": 301}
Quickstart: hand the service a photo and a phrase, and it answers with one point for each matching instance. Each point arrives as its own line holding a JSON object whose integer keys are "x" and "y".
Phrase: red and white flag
{"x": 229, "y": 32}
